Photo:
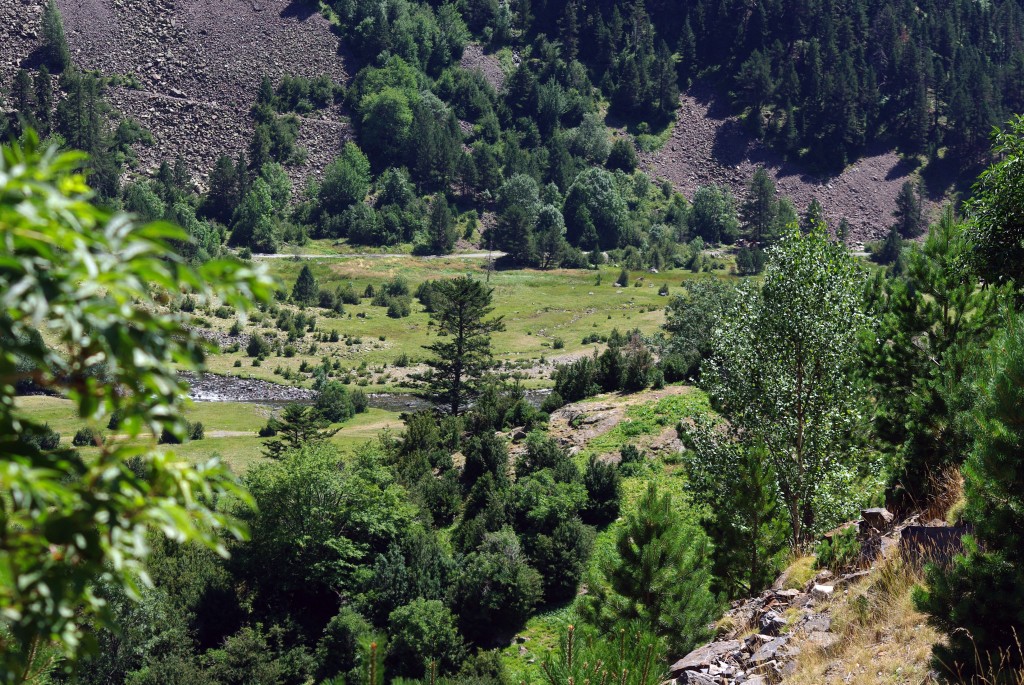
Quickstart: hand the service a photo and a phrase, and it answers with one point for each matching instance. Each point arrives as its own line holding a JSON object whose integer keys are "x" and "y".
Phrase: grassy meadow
{"x": 231, "y": 428}
{"x": 546, "y": 314}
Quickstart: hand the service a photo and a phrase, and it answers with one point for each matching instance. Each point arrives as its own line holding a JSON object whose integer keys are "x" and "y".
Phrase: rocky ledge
{"x": 760, "y": 637}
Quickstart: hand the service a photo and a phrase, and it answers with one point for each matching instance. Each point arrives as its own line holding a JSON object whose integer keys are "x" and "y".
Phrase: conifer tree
{"x": 462, "y": 353}
{"x": 299, "y": 426}
{"x": 760, "y": 210}
{"x": 933, "y": 322}
{"x": 909, "y": 213}
{"x": 43, "y": 86}
{"x": 743, "y": 516}
{"x": 659, "y": 580}
{"x": 977, "y": 600}
{"x": 54, "y": 40}
{"x": 224, "y": 195}
{"x": 814, "y": 217}
{"x": 305, "y": 290}
{"x": 24, "y": 99}
{"x": 441, "y": 230}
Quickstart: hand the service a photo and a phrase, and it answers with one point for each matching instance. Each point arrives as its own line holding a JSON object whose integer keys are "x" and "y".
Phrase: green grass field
{"x": 546, "y": 313}
{"x": 230, "y": 428}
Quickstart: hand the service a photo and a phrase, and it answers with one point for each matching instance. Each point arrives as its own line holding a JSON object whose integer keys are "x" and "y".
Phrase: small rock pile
{"x": 779, "y": 618}
{"x": 776, "y": 625}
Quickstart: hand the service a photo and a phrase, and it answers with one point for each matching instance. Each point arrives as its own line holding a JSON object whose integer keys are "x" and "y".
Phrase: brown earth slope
{"x": 709, "y": 146}
{"x": 194, "y": 66}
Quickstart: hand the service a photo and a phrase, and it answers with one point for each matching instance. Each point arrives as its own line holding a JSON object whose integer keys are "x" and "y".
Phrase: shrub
{"x": 398, "y": 307}
{"x": 41, "y": 437}
{"x": 423, "y": 632}
{"x": 623, "y": 280}
{"x": 258, "y": 346}
{"x": 552, "y": 402}
{"x": 115, "y": 419}
{"x": 328, "y": 300}
{"x": 577, "y": 380}
{"x": 839, "y": 552}
{"x": 348, "y": 295}
{"x": 193, "y": 431}
{"x": 84, "y": 437}
{"x": 557, "y": 343}
{"x": 360, "y": 403}
{"x": 333, "y": 404}
{"x": 604, "y": 492}
{"x": 268, "y": 431}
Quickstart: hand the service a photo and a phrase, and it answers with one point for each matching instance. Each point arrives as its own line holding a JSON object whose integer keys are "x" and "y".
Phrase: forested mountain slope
{"x": 843, "y": 105}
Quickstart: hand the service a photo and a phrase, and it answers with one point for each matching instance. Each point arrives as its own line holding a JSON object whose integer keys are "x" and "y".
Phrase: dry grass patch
{"x": 798, "y": 573}
{"x": 883, "y": 638}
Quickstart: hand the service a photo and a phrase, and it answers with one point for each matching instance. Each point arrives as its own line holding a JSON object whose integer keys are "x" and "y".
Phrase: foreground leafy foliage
{"x": 78, "y": 317}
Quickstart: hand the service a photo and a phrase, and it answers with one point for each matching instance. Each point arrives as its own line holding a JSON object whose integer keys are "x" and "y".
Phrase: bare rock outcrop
{"x": 188, "y": 70}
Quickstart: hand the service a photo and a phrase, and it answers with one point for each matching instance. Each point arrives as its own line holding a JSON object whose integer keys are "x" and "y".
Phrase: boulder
{"x": 696, "y": 678}
{"x": 816, "y": 623}
{"x": 703, "y": 657}
{"x": 771, "y": 623}
{"x": 822, "y": 592}
{"x": 823, "y": 640}
{"x": 878, "y": 518}
{"x": 770, "y": 650}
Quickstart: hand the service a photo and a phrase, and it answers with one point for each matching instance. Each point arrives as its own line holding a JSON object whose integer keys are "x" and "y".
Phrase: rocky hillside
{"x": 854, "y": 627}
{"x": 191, "y": 68}
{"x": 709, "y": 146}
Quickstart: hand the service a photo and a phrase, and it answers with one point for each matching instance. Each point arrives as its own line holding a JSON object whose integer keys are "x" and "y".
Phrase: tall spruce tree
{"x": 55, "y": 42}
{"x": 441, "y": 229}
{"x": 909, "y": 212}
{"x": 462, "y": 353}
{"x": 761, "y": 208}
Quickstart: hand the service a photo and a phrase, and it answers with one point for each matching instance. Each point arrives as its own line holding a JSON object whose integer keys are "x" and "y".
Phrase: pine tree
{"x": 442, "y": 227}
{"x": 54, "y": 40}
{"x": 224, "y": 195}
{"x": 843, "y": 232}
{"x": 909, "y": 212}
{"x": 299, "y": 426}
{"x": 43, "y": 85}
{"x": 24, "y": 99}
{"x": 814, "y": 217}
{"x": 933, "y": 321}
{"x": 660, "y": 579}
{"x": 977, "y": 600}
{"x": 760, "y": 210}
{"x": 462, "y": 353}
{"x": 305, "y": 291}
{"x": 744, "y": 518}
